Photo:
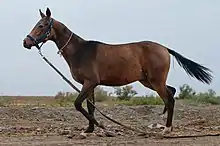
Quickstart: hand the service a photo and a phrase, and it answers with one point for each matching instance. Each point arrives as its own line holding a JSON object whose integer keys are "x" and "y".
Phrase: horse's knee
{"x": 78, "y": 105}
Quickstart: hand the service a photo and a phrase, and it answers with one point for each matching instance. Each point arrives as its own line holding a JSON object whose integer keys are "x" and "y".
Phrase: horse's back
{"x": 127, "y": 62}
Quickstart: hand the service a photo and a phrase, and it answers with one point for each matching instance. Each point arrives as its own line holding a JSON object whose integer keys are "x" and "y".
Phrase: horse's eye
{"x": 40, "y": 26}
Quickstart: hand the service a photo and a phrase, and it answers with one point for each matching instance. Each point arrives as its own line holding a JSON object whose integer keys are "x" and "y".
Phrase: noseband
{"x": 42, "y": 37}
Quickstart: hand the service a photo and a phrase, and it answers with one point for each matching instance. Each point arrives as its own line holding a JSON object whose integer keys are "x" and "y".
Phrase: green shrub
{"x": 207, "y": 97}
{"x": 141, "y": 101}
{"x": 65, "y": 99}
{"x": 100, "y": 94}
{"x": 4, "y": 101}
{"x": 125, "y": 93}
{"x": 186, "y": 92}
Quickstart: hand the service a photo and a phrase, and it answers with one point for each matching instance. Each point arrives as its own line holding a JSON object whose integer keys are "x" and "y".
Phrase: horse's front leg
{"x": 87, "y": 89}
{"x": 91, "y": 109}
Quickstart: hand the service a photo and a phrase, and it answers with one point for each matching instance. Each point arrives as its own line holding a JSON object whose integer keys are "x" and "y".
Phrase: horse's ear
{"x": 48, "y": 13}
{"x": 41, "y": 14}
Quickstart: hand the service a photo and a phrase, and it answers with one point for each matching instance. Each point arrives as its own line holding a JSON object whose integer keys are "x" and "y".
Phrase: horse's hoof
{"x": 89, "y": 129}
{"x": 167, "y": 130}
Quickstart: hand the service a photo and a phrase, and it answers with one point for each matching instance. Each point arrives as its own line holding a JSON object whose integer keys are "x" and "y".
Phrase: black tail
{"x": 194, "y": 69}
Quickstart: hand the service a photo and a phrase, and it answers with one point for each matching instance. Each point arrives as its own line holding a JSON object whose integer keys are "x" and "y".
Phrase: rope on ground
{"x": 190, "y": 136}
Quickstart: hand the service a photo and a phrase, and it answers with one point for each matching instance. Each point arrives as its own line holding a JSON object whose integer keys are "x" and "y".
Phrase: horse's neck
{"x": 64, "y": 39}
{"x": 67, "y": 39}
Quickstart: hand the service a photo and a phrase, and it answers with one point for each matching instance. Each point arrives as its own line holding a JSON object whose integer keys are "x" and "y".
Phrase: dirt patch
{"x": 52, "y": 126}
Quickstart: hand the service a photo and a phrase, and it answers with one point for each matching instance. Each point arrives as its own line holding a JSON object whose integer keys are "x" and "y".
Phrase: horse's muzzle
{"x": 27, "y": 43}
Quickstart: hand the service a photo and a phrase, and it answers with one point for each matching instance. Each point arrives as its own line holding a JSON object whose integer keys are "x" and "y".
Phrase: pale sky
{"x": 188, "y": 27}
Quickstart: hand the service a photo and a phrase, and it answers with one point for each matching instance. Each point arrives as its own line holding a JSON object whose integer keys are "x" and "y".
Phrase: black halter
{"x": 42, "y": 37}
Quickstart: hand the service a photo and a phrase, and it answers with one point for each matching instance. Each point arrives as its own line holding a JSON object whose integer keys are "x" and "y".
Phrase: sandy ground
{"x": 29, "y": 126}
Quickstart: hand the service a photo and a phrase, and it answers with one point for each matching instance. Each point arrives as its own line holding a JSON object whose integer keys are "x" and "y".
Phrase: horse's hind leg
{"x": 148, "y": 84}
{"x": 173, "y": 91}
{"x": 167, "y": 97}
{"x": 91, "y": 110}
{"x": 166, "y": 94}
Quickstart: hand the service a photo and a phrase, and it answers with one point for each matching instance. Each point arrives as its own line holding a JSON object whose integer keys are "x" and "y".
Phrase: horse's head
{"x": 41, "y": 32}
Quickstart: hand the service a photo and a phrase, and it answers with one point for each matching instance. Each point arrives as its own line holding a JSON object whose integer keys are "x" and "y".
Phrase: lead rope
{"x": 75, "y": 88}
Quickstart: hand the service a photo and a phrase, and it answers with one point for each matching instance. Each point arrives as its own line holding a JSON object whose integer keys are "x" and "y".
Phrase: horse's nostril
{"x": 24, "y": 42}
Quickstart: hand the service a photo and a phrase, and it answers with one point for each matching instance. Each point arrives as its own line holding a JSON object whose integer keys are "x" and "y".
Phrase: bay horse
{"x": 94, "y": 63}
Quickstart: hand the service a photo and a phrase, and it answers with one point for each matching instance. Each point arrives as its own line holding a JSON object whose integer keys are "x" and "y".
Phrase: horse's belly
{"x": 120, "y": 78}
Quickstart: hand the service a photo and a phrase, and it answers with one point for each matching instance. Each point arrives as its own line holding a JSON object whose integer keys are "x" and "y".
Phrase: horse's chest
{"x": 77, "y": 75}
